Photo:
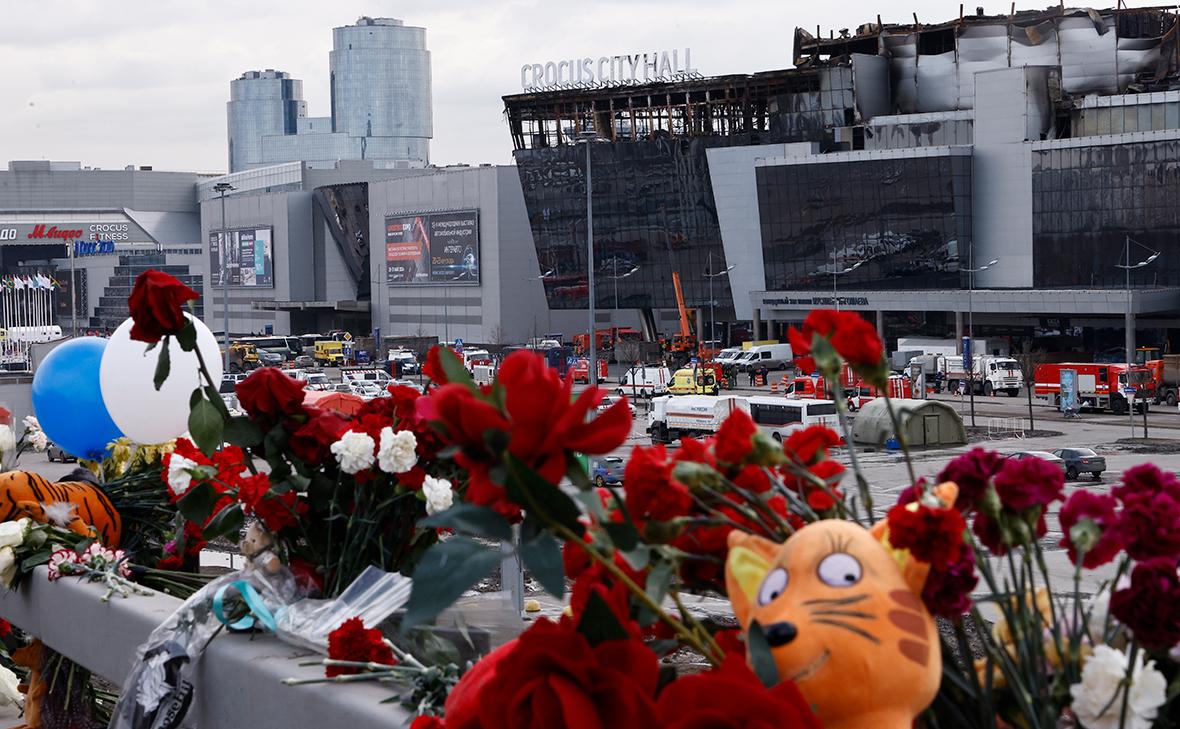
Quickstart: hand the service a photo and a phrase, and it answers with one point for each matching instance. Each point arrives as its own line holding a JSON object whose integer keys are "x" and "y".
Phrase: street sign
{"x": 458, "y": 344}
{"x": 1129, "y": 391}
{"x": 966, "y": 354}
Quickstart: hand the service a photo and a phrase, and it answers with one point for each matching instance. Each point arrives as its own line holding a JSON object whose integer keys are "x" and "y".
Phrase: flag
{"x": 18, "y": 284}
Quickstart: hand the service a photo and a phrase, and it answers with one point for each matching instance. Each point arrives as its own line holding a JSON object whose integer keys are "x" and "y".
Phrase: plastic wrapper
{"x": 159, "y": 689}
{"x": 373, "y": 596}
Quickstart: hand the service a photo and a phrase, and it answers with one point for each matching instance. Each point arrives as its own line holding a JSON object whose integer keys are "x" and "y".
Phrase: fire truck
{"x": 856, "y": 392}
{"x": 1100, "y": 386}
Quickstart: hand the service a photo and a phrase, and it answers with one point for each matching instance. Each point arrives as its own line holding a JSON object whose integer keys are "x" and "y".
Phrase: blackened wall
{"x": 907, "y": 218}
{"x": 1087, "y": 200}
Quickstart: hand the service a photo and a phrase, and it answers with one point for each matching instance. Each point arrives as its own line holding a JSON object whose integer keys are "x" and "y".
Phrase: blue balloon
{"x": 68, "y": 401}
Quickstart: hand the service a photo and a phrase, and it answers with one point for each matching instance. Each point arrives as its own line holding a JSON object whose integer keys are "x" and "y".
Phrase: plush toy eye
{"x": 772, "y": 586}
{"x": 839, "y": 569}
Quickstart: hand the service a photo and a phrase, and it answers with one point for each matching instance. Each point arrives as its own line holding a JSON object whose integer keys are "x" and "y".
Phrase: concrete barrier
{"x": 238, "y": 681}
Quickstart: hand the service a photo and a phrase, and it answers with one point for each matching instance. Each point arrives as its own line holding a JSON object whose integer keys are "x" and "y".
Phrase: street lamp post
{"x": 221, "y": 188}
{"x": 971, "y": 329}
{"x": 709, "y": 274}
{"x": 1129, "y": 337}
{"x": 837, "y": 271}
{"x": 615, "y": 275}
{"x": 587, "y": 136}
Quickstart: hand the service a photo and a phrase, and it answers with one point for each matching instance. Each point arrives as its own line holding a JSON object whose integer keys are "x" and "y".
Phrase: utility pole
{"x": 221, "y": 188}
{"x": 588, "y": 136}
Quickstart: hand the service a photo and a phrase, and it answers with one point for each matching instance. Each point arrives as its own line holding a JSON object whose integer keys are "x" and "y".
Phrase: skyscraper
{"x": 381, "y": 104}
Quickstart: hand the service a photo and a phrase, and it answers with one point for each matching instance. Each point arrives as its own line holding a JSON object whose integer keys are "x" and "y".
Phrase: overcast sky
{"x": 145, "y": 82}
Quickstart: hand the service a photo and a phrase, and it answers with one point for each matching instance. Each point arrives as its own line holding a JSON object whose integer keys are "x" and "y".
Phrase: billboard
{"x": 432, "y": 248}
{"x": 245, "y": 256}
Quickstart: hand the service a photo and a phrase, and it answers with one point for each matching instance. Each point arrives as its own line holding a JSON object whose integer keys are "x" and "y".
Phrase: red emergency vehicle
{"x": 1100, "y": 386}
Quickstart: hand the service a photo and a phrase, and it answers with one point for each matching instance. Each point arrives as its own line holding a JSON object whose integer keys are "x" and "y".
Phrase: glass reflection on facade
{"x": 907, "y": 218}
{"x": 1087, "y": 200}
{"x": 653, "y": 213}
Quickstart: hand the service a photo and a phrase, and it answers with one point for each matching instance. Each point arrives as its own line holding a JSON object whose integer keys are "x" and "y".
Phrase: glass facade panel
{"x": 908, "y": 219}
{"x": 1080, "y": 227}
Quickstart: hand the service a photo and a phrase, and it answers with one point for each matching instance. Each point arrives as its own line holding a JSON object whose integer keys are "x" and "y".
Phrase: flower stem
{"x": 846, "y": 428}
{"x": 897, "y": 429}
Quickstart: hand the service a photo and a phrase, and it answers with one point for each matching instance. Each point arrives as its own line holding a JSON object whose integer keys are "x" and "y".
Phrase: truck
{"x": 856, "y": 391}
{"x": 694, "y": 380}
{"x": 673, "y": 417}
{"x": 242, "y": 357}
{"x": 644, "y": 381}
{"x": 1100, "y": 386}
{"x": 991, "y": 374}
{"x": 1166, "y": 373}
{"x": 949, "y": 347}
{"x": 333, "y": 353}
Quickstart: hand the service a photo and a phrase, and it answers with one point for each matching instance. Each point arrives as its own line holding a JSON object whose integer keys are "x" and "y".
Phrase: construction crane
{"x": 684, "y": 340}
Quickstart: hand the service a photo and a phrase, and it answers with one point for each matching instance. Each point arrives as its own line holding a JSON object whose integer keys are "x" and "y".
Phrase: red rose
{"x": 1099, "y": 509}
{"x": 1150, "y": 607}
{"x": 157, "y": 306}
{"x": 615, "y": 595}
{"x": 466, "y": 418}
{"x": 427, "y": 722}
{"x": 971, "y": 472}
{"x": 313, "y": 441}
{"x": 734, "y": 441}
{"x": 433, "y": 367}
{"x": 731, "y": 643}
{"x": 948, "y": 587}
{"x": 732, "y": 697}
{"x": 552, "y": 677}
{"x": 1028, "y": 482}
{"x": 268, "y": 396}
{"x": 651, "y": 492}
{"x": 352, "y": 641}
{"x": 932, "y": 535}
{"x": 1149, "y": 525}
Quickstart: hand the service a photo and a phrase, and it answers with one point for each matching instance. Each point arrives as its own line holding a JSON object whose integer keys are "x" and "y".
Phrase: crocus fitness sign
{"x": 633, "y": 68}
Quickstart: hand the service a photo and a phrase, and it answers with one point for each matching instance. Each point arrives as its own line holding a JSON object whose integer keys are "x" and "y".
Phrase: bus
{"x": 778, "y": 417}
{"x": 288, "y": 346}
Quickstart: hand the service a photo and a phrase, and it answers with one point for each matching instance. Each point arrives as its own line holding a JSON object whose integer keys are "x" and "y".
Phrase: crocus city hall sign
{"x": 608, "y": 70}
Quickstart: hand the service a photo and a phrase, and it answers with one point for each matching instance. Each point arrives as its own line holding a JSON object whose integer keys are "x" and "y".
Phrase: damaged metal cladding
{"x": 932, "y": 68}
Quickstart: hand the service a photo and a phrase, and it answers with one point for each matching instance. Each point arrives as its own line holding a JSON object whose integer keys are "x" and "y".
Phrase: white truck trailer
{"x": 677, "y": 416}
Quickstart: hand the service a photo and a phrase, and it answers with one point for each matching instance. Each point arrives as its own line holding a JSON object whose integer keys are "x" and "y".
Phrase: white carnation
{"x": 7, "y": 438}
{"x": 439, "y": 494}
{"x": 398, "y": 451}
{"x": 179, "y": 479}
{"x": 9, "y": 693}
{"x": 354, "y": 451}
{"x": 31, "y": 422}
{"x": 13, "y": 533}
{"x": 38, "y": 440}
{"x": 1100, "y": 689}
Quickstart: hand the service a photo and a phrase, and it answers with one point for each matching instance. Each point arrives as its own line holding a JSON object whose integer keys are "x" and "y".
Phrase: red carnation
{"x": 157, "y": 306}
{"x": 971, "y": 472}
{"x": 651, "y": 492}
{"x": 1150, "y": 607}
{"x": 734, "y": 441}
{"x": 948, "y": 587}
{"x": 932, "y": 535}
{"x": 280, "y": 512}
{"x": 269, "y": 396}
{"x": 352, "y": 641}
{"x": 426, "y": 721}
{"x": 851, "y": 336}
{"x": 252, "y": 490}
{"x": 1099, "y": 509}
{"x": 732, "y": 697}
{"x": 1028, "y": 482}
{"x": 810, "y": 444}
{"x": 1149, "y": 525}
{"x": 1147, "y": 479}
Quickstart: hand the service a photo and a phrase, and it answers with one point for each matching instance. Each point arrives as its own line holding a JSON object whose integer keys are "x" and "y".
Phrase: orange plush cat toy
{"x": 844, "y": 620}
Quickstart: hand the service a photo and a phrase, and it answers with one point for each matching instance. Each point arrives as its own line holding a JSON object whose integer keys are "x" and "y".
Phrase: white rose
{"x": 31, "y": 422}
{"x": 7, "y": 438}
{"x": 354, "y": 451}
{"x": 439, "y": 494}
{"x": 1098, "y": 700}
{"x": 38, "y": 440}
{"x": 7, "y": 566}
{"x": 13, "y": 533}
{"x": 9, "y": 693}
{"x": 179, "y": 479}
{"x": 398, "y": 451}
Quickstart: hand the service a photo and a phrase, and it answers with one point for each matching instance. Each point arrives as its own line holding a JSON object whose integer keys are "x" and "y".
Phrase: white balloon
{"x": 144, "y": 414}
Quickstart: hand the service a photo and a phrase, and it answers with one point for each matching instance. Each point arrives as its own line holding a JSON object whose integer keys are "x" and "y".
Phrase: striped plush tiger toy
{"x": 81, "y": 507}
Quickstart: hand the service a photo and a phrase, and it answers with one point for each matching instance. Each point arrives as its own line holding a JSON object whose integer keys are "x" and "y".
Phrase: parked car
{"x": 268, "y": 358}
{"x": 406, "y": 383}
{"x": 54, "y": 453}
{"x": 608, "y": 471}
{"x": 1043, "y": 455}
{"x": 1081, "y": 460}
{"x": 609, "y": 400}
{"x": 304, "y": 360}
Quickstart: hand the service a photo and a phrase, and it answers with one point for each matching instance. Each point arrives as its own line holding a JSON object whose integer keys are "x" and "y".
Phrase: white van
{"x": 778, "y": 417}
{"x": 770, "y": 356}
{"x": 728, "y": 355}
{"x": 645, "y": 382}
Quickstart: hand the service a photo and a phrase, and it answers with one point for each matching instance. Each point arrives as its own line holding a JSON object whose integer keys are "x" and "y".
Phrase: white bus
{"x": 778, "y": 417}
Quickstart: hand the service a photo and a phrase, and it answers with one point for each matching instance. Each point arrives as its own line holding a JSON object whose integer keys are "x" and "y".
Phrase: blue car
{"x": 608, "y": 471}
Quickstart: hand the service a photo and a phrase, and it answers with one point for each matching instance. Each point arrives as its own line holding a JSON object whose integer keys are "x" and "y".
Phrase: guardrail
{"x": 238, "y": 680}
{"x": 1001, "y": 428}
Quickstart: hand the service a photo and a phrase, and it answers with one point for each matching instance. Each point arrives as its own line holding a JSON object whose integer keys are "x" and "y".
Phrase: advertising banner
{"x": 1069, "y": 390}
{"x": 432, "y": 248}
{"x": 245, "y": 257}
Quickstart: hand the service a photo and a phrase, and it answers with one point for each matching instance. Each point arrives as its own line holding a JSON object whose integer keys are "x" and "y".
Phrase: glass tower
{"x": 261, "y": 103}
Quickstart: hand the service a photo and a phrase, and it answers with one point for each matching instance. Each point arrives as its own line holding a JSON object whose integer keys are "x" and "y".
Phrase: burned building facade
{"x": 894, "y": 158}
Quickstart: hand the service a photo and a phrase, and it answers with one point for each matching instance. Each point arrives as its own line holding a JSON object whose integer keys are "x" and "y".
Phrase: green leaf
{"x": 658, "y": 580}
{"x": 453, "y": 368}
{"x": 529, "y": 491}
{"x": 622, "y": 535}
{"x": 447, "y": 570}
{"x": 195, "y": 398}
{"x": 241, "y": 431}
{"x": 592, "y": 502}
{"x": 206, "y": 426}
{"x": 761, "y": 659}
{"x": 228, "y": 521}
{"x": 187, "y": 337}
{"x": 197, "y": 503}
{"x": 577, "y": 474}
{"x": 598, "y": 623}
{"x": 163, "y": 365}
{"x": 36, "y": 558}
{"x": 479, "y": 521}
{"x": 542, "y": 557}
